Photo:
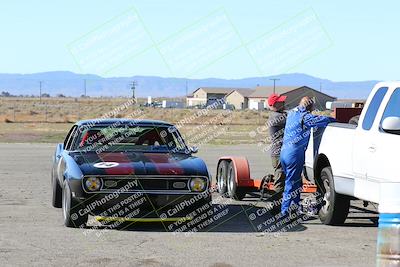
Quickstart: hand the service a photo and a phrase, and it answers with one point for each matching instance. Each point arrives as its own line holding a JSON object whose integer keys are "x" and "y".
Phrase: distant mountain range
{"x": 72, "y": 84}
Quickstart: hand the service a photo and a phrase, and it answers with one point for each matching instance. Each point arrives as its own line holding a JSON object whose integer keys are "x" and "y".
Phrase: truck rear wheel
{"x": 233, "y": 191}
{"x": 222, "y": 176}
{"x": 334, "y": 207}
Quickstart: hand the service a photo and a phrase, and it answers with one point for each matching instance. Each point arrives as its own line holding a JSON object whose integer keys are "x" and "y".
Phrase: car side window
{"x": 373, "y": 108}
{"x": 393, "y": 106}
{"x": 70, "y": 137}
{"x": 74, "y": 138}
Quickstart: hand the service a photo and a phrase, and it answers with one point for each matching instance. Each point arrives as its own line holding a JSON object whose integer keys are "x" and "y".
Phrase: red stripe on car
{"x": 125, "y": 164}
{"x": 164, "y": 163}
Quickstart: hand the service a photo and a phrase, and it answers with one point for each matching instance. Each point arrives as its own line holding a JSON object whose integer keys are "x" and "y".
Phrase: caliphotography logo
{"x": 111, "y": 43}
{"x": 289, "y": 44}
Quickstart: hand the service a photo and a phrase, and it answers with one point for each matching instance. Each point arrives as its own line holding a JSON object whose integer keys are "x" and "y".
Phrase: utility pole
{"x": 186, "y": 88}
{"x": 45, "y": 113}
{"x": 14, "y": 112}
{"x": 84, "y": 87}
{"x": 320, "y": 87}
{"x": 186, "y": 96}
{"x": 79, "y": 109}
{"x": 40, "y": 91}
{"x": 133, "y": 88}
{"x": 274, "y": 79}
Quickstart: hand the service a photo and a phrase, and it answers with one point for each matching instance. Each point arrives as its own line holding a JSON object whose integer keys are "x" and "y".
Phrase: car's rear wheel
{"x": 233, "y": 191}
{"x": 334, "y": 207}
{"x": 222, "y": 173}
{"x": 72, "y": 209}
{"x": 57, "y": 194}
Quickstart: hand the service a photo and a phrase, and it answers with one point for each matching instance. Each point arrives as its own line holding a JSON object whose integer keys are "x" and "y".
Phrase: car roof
{"x": 94, "y": 122}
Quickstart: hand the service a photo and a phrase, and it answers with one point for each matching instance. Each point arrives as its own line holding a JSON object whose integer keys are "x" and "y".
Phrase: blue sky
{"x": 364, "y": 35}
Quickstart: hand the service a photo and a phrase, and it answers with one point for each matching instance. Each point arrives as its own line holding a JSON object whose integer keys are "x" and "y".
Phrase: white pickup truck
{"x": 349, "y": 161}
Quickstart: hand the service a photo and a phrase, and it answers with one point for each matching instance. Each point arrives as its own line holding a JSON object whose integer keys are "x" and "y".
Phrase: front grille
{"x": 149, "y": 184}
{"x": 135, "y": 184}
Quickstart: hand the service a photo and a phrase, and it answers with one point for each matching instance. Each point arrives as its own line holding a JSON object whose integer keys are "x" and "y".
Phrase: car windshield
{"x": 129, "y": 138}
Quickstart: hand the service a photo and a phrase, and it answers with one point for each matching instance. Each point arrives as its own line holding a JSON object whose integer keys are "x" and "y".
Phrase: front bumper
{"x": 139, "y": 203}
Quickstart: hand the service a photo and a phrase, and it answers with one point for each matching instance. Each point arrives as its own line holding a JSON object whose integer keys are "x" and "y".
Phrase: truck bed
{"x": 321, "y": 143}
{"x": 343, "y": 125}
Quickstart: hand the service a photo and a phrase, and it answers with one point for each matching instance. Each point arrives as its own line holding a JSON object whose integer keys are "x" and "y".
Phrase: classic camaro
{"x": 119, "y": 169}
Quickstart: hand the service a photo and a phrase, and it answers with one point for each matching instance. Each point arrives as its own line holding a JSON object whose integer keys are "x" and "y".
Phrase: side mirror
{"x": 194, "y": 149}
{"x": 60, "y": 147}
{"x": 391, "y": 125}
{"x": 59, "y": 150}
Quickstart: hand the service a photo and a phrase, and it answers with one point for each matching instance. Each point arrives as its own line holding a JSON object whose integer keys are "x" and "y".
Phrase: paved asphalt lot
{"x": 32, "y": 232}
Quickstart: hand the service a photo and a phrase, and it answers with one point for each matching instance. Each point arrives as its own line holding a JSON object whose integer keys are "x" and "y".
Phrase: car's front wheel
{"x": 72, "y": 212}
{"x": 57, "y": 193}
{"x": 334, "y": 207}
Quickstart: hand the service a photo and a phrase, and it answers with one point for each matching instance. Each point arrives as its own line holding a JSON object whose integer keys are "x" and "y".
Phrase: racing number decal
{"x": 105, "y": 165}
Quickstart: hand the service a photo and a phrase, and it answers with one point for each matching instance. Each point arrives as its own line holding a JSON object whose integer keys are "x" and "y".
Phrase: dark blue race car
{"x": 119, "y": 169}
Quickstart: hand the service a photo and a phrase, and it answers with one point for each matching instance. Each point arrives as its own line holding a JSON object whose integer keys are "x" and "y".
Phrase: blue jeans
{"x": 292, "y": 165}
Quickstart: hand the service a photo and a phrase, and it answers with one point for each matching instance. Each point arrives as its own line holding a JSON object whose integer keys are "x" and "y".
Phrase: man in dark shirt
{"x": 276, "y": 124}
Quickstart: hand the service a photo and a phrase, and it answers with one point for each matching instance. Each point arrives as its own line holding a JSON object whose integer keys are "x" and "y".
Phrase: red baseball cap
{"x": 275, "y": 98}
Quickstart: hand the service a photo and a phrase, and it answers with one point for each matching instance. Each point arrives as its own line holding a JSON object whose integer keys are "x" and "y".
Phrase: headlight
{"x": 197, "y": 185}
{"x": 93, "y": 183}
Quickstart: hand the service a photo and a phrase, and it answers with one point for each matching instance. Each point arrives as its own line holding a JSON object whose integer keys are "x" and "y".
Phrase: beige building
{"x": 258, "y": 99}
{"x": 239, "y": 98}
{"x": 203, "y": 94}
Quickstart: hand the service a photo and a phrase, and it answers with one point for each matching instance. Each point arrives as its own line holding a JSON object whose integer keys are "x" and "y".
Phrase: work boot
{"x": 300, "y": 215}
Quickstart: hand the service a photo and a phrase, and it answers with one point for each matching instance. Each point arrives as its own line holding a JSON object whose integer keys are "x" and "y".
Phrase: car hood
{"x": 139, "y": 163}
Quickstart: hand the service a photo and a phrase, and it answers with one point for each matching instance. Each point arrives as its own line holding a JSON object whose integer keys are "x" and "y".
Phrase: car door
{"x": 383, "y": 162}
{"x": 363, "y": 145}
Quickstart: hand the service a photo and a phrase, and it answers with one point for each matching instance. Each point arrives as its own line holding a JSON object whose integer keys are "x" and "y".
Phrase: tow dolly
{"x": 234, "y": 180}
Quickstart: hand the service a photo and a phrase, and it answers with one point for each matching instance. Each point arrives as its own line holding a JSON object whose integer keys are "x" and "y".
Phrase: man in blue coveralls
{"x": 297, "y": 133}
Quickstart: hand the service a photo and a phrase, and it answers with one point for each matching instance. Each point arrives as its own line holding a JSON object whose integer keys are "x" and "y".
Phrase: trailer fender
{"x": 242, "y": 170}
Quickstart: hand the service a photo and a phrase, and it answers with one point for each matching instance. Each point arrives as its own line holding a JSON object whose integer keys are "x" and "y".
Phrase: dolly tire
{"x": 234, "y": 191}
{"x": 222, "y": 177}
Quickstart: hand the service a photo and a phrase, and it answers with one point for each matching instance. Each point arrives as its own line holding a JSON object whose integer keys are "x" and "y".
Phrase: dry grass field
{"x": 48, "y": 120}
